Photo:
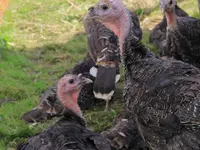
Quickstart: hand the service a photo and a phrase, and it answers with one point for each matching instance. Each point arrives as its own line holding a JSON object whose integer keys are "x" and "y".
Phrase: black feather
{"x": 68, "y": 133}
{"x": 105, "y": 80}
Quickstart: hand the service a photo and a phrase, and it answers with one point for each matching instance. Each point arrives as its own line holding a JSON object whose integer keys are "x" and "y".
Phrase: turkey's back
{"x": 64, "y": 135}
{"x": 163, "y": 97}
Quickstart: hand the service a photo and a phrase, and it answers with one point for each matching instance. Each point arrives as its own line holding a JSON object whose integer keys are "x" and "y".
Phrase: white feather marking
{"x": 195, "y": 110}
{"x": 104, "y": 49}
{"x": 100, "y": 59}
{"x": 93, "y": 71}
{"x": 107, "y": 96}
{"x": 31, "y": 125}
{"x": 122, "y": 134}
{"x": 125, "y": 120}
{"x": 117, "y": 78}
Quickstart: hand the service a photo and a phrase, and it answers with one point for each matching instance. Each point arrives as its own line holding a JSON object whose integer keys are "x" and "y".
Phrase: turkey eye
{"x": 71, "y": 81}
{"x": 104, "y": 7}
{"x": 170, "y": 2}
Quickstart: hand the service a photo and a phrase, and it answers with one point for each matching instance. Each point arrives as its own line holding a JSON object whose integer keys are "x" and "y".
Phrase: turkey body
{"x": 103, "y": 47}
{"x": 104, "y": 50}
{"x": 162, "y": 97}
{"x": 67, "y": 133}
{"x": 158, "y": 33}
{"x": 182, "y": 41}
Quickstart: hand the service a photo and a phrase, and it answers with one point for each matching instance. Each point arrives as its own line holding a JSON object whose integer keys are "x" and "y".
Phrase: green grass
{"x": 39, "y": 41}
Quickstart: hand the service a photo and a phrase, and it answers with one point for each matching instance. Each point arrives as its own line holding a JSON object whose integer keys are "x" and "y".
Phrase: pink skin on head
{"x": 168, "y": 7}
{"x": 171, "y": 18}
{"x": 68, "y": 94}
{"x": 120, "y": 23}
{"x": 75, "y": 96}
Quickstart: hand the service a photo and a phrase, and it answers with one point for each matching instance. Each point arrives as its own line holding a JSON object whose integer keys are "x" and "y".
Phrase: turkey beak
{"x": 83, "y": 81}
{"x": 91, "y": 14}
{"x": 91, "y": 8}
{"x": 164, "y": 8}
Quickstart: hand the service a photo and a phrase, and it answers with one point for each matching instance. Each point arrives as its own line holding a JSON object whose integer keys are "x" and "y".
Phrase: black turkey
{"x": 158, "y": 33}
{"x": 182, "y": 40}
{"x": 70, "y": 132}
{"x": 162, "y": 96}
{"x": 49, "y": 105}
{"x": 103, "y": 48}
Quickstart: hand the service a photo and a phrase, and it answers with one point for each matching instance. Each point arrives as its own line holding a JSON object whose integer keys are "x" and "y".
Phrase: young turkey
{"x": 162, "y": 96}
{"x": 50, "y": 106}
{"x": 70, "y": 132}
{"x": 103, "y": 48}
{"x": 158, "y": 33}
{"x": 182, "y": 40}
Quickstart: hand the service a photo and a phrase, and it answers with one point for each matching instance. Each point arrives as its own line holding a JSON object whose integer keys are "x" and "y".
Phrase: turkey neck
{"x": 71, "y": 104}
{"x": 71, "y": 117}
{"x": 171, "y": 19}
{"x": 132, "y": 50}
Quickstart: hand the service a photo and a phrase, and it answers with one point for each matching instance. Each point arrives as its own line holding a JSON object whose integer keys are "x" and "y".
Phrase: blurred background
{"x": 39, "y": 41}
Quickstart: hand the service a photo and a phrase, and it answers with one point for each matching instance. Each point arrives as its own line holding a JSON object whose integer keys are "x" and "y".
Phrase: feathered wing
{"x": 104, "y": 84}
{"x": 50, "y": 106}
{"x": 190, "y": 29}
{"x": 124, "y": 134}
{"x": 66, "y": 135}
{"x": 103, "y": 48}
{"x": 166, "y": 109}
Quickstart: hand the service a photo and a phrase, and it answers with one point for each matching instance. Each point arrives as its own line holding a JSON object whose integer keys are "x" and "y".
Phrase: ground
{"x": 39, "y": 41}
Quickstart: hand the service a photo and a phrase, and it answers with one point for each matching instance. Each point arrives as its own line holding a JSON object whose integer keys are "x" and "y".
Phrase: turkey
{"x": 49, "y": 105}
{"x": 70, "y": 132}
{"x": 158, "y": 33}
{"x": 182, "y": 40}
{"x": 162, "y": 96}
{"x": 103, "y": 48}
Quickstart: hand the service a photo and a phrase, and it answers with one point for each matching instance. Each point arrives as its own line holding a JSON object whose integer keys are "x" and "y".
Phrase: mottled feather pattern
{"x": 183, "y": 44}
{"x": 159, "y": 95}
{"x": 50, "y": 106}
{"x": 101, "y": 41}
{"x": 124, "y": 135}
{"x": 183, "y": 41}
{"x": 158, "y": 33}
{"x": 162, "y": 97}
{"x": 67, "y": 133}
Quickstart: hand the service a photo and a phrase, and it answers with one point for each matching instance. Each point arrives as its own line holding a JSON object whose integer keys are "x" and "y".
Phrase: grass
{"x": 39, "y": 41}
